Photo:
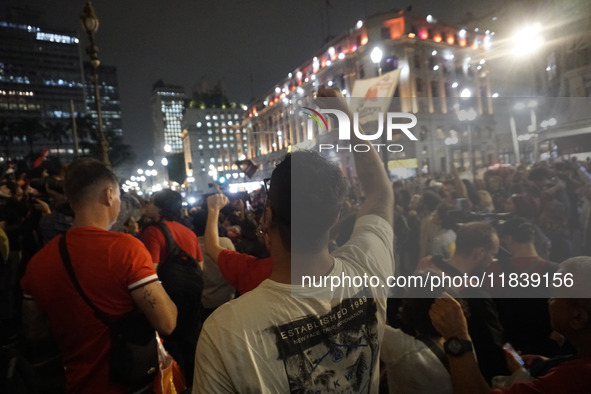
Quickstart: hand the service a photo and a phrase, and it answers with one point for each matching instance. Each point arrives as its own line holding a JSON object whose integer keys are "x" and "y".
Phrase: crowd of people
{"x": 245, "y": 322}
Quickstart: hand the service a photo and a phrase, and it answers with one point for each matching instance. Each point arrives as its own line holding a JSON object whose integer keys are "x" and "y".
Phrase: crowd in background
{"x": 553, "y": 197}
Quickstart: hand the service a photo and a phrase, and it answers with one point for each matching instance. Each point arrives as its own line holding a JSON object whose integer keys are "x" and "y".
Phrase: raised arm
{"x": 215, "y": 202}
{"x": 379, "y": 197}
{"x": 448, "y": 318}
{"x": 461, "y": 190}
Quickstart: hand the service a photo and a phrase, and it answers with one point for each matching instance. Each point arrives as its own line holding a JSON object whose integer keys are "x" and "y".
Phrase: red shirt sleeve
{"x": 140, "y": 270}
{"x": 242, "y": 271}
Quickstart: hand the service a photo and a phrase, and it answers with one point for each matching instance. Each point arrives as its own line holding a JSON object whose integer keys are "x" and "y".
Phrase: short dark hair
{"x": 306, "y": 193}
{"x": 539, "y": 174}
{"x": 430, "y": 200}
{"x": 474, "y": 235}
{"x": 170, "y": 204}
{"x": 84, "y": 174}
{"x": 520, "y": 229}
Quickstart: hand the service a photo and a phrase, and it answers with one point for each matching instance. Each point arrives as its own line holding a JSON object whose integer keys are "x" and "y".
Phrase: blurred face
{"x": 152, "y": 211}
{"x": 485, "y": 257}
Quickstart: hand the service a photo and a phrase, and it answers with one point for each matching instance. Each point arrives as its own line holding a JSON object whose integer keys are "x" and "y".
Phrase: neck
{"x": 308, "y": 264}
{"x": 462, "y": 263}
{"x": 523, "y": 250}
{"x": 91, "y": 216}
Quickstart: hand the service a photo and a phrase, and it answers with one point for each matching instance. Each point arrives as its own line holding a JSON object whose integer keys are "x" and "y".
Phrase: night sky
{"x": 180, "y": 41}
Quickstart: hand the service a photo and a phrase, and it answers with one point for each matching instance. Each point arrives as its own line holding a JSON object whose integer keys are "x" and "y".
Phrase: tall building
{"x": 40, "y": 79}
{"x": 168, "y": 106}
{"x": 39, "y": 72}
{"x": 213, "y": 142}
{"x": 443, "y": 71}
{"x": 109, "y": 94}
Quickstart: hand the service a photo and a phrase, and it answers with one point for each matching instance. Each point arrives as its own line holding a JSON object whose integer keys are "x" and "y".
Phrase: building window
{"x": 417, "y": 61}
{"x": 434, "y": 89}
{"x": 385, "y": 33}
{"x": 420, "y": 85}
{"x": 391, "y": 64}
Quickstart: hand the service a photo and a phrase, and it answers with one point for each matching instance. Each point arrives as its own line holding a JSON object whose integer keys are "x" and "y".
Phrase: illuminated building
{"x": 109, "y": 93}
{"x": 168, "y": 106}
{"x": 214, "y": 140}
{"x": 39, "y": 72}
{"x": 443, "y": 71}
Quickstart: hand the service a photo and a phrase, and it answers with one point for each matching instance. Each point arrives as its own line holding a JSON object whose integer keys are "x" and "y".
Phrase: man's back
{"x": 271, "y": 340}
{"x": 108, "y": 266}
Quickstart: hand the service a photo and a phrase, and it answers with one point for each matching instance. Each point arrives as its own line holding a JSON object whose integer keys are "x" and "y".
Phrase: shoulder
{"x": 179, "y": 228}
{"x": 42, "y": 257}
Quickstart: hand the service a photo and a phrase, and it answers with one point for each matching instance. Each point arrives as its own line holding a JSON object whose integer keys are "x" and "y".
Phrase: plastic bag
{"x": 169, "y": 378}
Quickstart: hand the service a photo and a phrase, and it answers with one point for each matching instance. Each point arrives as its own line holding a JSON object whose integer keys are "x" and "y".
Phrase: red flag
{"x": 40, "y": 159}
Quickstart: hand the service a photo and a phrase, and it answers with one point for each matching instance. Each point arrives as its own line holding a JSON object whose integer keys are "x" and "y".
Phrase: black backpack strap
{"x": 171, "y": 247}
{"x": 70, "y": 270}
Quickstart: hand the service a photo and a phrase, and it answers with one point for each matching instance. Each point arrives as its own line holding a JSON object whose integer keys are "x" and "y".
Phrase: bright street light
{"x": 150, "y": 163}
{"x": 164, "y": 161}
{"x": 168, "y": 148}
{"x": 376, "y": 55}
{"x": 466, "y": 93}
{"x": 527, "y": 40}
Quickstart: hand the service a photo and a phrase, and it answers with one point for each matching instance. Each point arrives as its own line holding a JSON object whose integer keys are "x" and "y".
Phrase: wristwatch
{"x": 455, "y": 346}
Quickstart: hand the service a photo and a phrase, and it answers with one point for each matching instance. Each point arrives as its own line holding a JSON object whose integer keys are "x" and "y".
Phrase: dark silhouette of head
{"x": 306, "y": 194}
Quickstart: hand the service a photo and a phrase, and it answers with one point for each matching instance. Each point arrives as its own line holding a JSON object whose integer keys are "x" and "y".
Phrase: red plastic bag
{"x": 169, "y": 378}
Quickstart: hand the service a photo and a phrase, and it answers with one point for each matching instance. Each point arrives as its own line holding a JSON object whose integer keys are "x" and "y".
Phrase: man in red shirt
{"x": 114, "y": 270}
{"x": 166, "y": 207}
{"x": 242, "y": 271}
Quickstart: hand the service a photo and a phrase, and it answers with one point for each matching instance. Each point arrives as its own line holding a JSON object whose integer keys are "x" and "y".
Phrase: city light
{"x": 376, "y": 55}
{"x": 467, "y": 115}
{"x": 168, "y": 148}
{"x": 140, "y": 171}
{"x": 466, "y": 93}
{"x": 164, "y": 161}
{"x": 150, "y": 163}
{"x": 519, "y": 106}
{"x": 527, "y": 40}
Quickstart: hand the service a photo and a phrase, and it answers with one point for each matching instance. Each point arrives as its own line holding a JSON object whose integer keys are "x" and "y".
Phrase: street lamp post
{"x": 90, "y": 23}
{"x": 376, "y": 58}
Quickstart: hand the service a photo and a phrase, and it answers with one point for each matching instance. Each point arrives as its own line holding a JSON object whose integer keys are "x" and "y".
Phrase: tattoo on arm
{"x": 148, "y": 298}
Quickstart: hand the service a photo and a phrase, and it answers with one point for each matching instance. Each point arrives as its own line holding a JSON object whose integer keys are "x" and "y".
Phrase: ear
{"x": 109, "y": 195}
{"x": 336, "y": 220}
{"x": 478, "y": 254}
{"x": 268, "y": 216}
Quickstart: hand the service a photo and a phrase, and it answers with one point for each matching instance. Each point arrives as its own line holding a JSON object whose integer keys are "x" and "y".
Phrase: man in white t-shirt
{"x": 294, "y": 332}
